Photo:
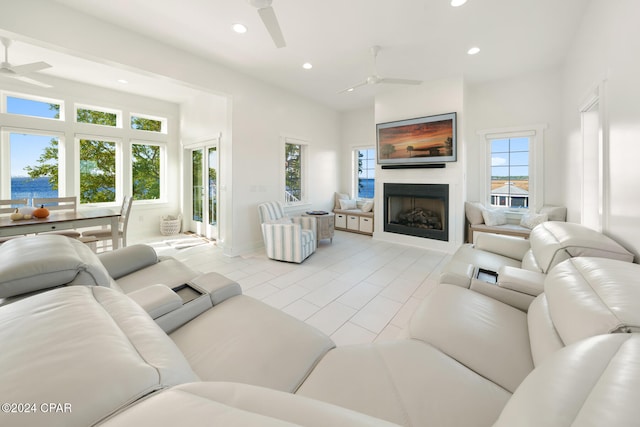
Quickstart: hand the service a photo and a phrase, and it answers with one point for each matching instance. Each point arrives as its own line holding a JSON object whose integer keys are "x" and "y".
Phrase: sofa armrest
{"x": 306, "y": 222}
{"x": 519, "y": 280}
{"x": 508, "y": 246}
{"x": 125, "y": 261}
{"x": 219, "y": 287}
{"x": 157, "y": 300}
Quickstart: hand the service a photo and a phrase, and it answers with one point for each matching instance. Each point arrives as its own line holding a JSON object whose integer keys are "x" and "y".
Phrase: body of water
{"x": 28, "y": 188}
{"x": 365, "y": 188}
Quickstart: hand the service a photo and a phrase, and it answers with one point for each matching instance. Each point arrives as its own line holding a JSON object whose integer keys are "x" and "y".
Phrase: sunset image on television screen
{"x": 433, "y": 139}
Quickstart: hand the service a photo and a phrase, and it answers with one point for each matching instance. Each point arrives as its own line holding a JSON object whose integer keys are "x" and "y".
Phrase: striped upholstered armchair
{"x": 290, "y": 239}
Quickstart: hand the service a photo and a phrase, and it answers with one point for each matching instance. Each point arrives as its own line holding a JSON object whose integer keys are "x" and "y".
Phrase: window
{"x": 145, "y": 171}
{"x": 97, "y": 117}
{"x": 97, "y": 171}
{"x": 514, "y": 167}
{"x": 148, "y": 123}
{"x": 92, "y": 156}
{"x": 41, "y": 107}
{"x": 34, "y": 165}
{"x": 365, "y": 167}
{"x": 510, "y": 172}
{"x": 294, "y": 171}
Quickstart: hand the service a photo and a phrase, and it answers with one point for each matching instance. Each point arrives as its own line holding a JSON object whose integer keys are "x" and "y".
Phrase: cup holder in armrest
{"x": 187, "y": 292}
{"x": 487, "y": 276}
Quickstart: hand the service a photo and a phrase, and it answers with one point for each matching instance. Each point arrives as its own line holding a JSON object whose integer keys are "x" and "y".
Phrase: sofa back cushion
{"x": 593, "y": 296}
{"x": 92, "y": 348}
{"x": 595, "y": 382}
{"x": 45, "y": 261}
{"x": 553, "y": 242}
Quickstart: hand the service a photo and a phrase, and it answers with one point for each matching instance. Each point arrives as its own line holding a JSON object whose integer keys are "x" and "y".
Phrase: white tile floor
{"x": 356, "y": 289}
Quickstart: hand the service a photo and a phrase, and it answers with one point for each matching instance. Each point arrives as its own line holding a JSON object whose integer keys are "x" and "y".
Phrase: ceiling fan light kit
{"x": 375, "y": 79}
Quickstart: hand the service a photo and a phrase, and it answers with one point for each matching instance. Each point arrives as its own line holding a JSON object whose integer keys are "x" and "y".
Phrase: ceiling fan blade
{"x": 30, "y": 68}
{"x": 352, "y": 88}
{"x": 400, "y": 81}
{"x": 268, "y": 16}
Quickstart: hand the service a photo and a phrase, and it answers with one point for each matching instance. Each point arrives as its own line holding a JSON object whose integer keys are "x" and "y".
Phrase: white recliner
{"x": 290, "y": 239}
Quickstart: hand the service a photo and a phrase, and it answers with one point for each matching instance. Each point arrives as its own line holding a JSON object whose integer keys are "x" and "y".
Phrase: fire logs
{"x": 420, "y": 218}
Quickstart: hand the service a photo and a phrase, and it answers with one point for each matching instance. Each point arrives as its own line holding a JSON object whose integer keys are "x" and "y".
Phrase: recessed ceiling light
{"x": 350, "y": 89}
{"x": 473, "y": 50}
{"x": 239, "y": 28}
{"x": 456, "y": 3}
{"x": 307, "y": 66}
{"x": 123, "y": 81}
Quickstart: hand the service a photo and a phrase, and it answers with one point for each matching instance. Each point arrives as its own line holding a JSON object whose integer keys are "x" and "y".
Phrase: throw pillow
{"x": 367, "y": 206}
{"x": 531, "y": 220}
{"x": 347, "y": 204}
{"x": 337, "y": 198}
{"x": 494, "y": 217}
{"x": 473, "y": 210}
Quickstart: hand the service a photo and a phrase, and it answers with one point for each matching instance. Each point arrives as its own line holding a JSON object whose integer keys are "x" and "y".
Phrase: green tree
{"x": 145, "y": 171}
{"x": 293, "y": 171}
{"x": 360, "y": 185}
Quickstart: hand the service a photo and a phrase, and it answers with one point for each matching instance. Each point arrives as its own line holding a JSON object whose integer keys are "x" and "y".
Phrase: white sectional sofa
{"x": 92, "y": 355}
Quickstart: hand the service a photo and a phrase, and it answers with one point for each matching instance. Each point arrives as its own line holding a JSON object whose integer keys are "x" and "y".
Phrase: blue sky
{"x": 25, "y": 148}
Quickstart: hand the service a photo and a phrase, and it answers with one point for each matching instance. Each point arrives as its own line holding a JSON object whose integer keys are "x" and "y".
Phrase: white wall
{"x": 606, "y": 48}
{"x": 430, "y": 98}
{"x": 357, "y": 129}
{"x": 530, "y": 99}
{"x": 260, "y": 113}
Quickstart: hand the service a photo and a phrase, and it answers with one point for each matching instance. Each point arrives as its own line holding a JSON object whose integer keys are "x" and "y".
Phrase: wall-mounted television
{"x": 423, "y": 140}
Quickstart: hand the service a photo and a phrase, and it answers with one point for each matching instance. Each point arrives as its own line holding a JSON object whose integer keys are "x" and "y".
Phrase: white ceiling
{"x": 420, "y": 39}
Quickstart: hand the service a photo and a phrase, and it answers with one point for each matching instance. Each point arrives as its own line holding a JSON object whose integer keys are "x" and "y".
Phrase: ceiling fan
{"x": 268, "y": 16}
{"x": 19, "y": 72}
{"x": 375, "y": 79}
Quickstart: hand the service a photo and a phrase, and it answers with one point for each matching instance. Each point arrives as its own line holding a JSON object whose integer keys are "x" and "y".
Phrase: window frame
{"x": 535, "y": 133}
{"x": 304, "y": 167}
{"x": 354, "y": 169}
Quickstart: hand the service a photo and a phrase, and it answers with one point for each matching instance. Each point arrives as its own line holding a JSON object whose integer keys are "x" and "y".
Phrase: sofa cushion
{"x": 347, "y": 204}
{"x": 484, "y": 334}
{"x": 90, "y": 347}
{"x": 494, "y": 217}
{"x": 262, "y": 345}
{"x": 45, "y": 261}
{"x": 595, "y": 382}
{"x": 406, "y": 382}
{"x": 128, "y": 260}
{"x": 367, "y": 206}
{"x": 530, "y": 220}
{"x": 473, "y": 211}
{"x": 231, "y": 404}
{"x": 337, "y": 197}
{"x": 553, "y": 242}
{"x": 593, "y": 296}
